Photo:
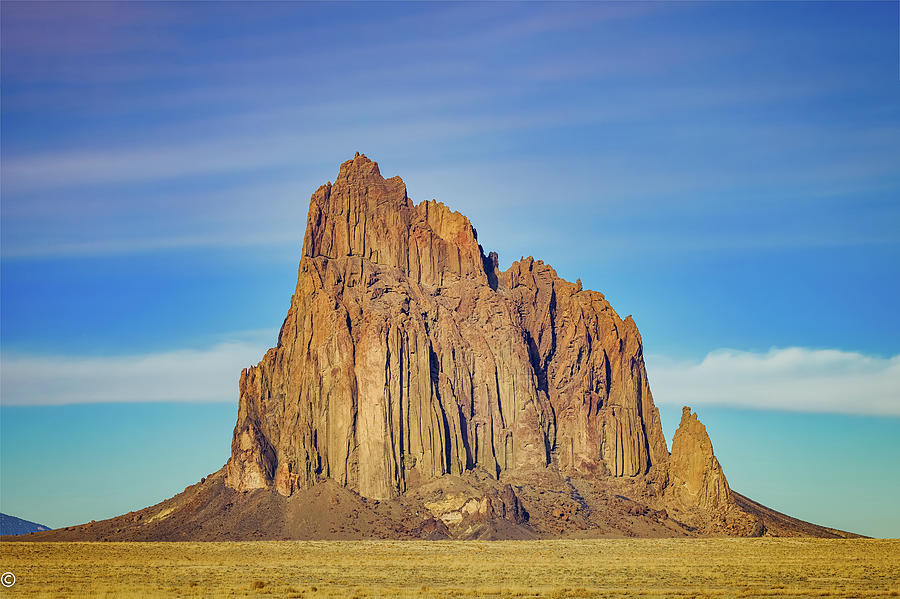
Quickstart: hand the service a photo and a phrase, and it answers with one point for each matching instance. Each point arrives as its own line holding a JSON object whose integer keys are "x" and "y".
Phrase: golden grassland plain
{"x": 564, "y": 568}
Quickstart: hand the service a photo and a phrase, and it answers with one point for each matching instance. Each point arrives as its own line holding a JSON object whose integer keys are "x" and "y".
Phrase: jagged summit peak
{"x": 690, "y": 426}
{"x": 697, "y": 480}
{"x": 687, "y": 414}
{"x": 367, "y": 216}
{"x": 690, "y": 419}
{"x": 360, "y": 167}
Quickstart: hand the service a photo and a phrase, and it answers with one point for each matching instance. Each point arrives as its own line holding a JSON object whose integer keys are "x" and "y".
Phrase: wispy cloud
{"x": 635, "y": 121}
{"x": 794, "y": 379}
{"x": 107, "y": 247}
{"x": 46, "y": 28}
{"x": 137, "y": 164}
{"x": 179, "y": 375}
{"x": 279, "y": 136}
{"x": 566, "y": 18}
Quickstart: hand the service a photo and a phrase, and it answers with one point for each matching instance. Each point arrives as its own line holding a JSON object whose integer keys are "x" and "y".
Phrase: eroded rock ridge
{"x": 407, "y": 355}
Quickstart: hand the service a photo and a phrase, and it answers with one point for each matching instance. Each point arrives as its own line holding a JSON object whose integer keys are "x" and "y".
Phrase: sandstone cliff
{"x": 405, "y": 355}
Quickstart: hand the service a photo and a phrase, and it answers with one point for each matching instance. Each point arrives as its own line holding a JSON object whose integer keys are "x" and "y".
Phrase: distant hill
{"x": 10, "y": 525}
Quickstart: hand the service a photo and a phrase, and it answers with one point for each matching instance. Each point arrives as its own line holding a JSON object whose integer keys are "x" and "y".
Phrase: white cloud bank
{"x": 183, "y": 375}
{"x": 795, "y": 379}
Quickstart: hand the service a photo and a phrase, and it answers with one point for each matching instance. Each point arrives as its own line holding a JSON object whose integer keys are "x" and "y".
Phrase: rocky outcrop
{"x": 696, "y": 479}
{"x": 590, "y": 363}
{"x": 406, "y": 355}
{"x": 469, "y": 511}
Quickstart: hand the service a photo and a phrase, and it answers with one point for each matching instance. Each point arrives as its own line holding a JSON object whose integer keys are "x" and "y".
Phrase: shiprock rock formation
{"x": 406, "y": 356}
{"x": 416, "y": 391}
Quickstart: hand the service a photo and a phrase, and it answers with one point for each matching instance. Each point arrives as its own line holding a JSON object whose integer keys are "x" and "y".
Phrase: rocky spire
{"x": 696, "y": 479}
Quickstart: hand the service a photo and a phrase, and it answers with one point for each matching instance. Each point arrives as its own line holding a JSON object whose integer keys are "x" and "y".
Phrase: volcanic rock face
{"x": 406, "y": 355}
{"x": 696, "y": 479}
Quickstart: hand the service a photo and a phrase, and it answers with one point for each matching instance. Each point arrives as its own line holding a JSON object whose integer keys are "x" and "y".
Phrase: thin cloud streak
{"x": 793, "y": 379}
{"x": 630, "y": 126}
{"x": 119, "y": 247}
{"x": 271, "y": 138}
{"x": 190, "y": 375}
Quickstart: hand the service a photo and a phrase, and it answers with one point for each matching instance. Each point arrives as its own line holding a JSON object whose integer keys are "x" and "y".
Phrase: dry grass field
{"x": 595, "y": 568}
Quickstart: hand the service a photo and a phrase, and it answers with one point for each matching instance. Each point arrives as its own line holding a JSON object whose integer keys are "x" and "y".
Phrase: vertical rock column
{"x": 696, "y": 479}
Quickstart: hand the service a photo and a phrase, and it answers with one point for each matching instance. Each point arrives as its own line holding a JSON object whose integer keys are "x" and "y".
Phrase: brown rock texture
{"x": 696, "y": 479}
{"x": 405, "y": 356}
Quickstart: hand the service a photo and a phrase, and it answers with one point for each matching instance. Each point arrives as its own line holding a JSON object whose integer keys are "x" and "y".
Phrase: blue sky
{"x": 725, "y": 172}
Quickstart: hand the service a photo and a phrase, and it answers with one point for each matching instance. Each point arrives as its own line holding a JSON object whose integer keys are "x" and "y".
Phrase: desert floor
{"x": 595, "y": 568}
